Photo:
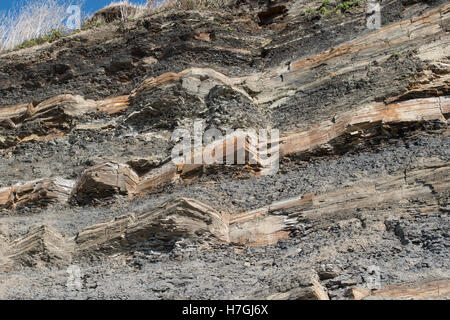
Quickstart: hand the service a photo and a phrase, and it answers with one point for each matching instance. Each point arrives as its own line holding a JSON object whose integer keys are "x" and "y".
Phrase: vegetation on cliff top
{"x": 40, "y": 21}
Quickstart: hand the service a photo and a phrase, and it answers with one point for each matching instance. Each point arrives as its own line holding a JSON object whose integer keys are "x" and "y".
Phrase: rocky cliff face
{"x": 358, "y": 208}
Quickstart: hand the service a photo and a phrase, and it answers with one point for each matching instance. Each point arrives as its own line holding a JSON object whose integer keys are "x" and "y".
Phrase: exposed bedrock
{"x": 357, "y": 207}
{"x": 164, "y": 224}
{"x": 37, "y": 193}
{"x": 158, "y": 228}
{"x": 105, "y": 180}
{"x": 346, "y": 132}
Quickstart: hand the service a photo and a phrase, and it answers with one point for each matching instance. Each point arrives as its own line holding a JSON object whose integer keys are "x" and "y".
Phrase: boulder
{"x": 105, "y": 180}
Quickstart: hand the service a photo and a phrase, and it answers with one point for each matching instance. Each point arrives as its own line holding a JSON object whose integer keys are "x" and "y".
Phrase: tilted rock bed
{"x": 362, "y": 191}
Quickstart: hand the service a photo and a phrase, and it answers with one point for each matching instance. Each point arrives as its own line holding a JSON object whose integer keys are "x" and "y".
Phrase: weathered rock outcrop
{"x": 428, "y": 181}
{"x": 432, "y": 289}
{"x": 339, "y": 135}
{"x": 170, "y": 99}
{"x": 167, "y": 223}
{"x": 105, "y": 180}
{"x": 301, "y": 285}
{"x": 51, "y": 119}
{"x": 346, "y": 131}
{"x": 36, "y": 193}
{"x": 362, "y": 176}
{"x": 39, "y": 247}
{"x": 163, "y": 226}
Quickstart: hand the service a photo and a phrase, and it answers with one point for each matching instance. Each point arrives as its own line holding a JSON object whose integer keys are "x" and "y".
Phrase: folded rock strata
{"x": 355, "y": 126}
{"x": 188, "y": 218}
{"x": 39, "y": 247}
{"x": 167, "y": 223}
{"x": 336, "y": 136}
{"x": 344, "y": 131}
{"x": 341, "y": 96}
{"x": 195, "y": 84}
{"x": 268, "y": 224}
{"x": 172, "y": 220}
{"x": 105, "y": 180}
{"x": 50, "y": 119}
{"x": 421, "y": 33}
{"x": 171, "y": 98}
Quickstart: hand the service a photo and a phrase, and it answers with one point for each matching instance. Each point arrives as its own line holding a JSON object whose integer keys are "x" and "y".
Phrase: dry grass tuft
{"x": 33, "y": 20}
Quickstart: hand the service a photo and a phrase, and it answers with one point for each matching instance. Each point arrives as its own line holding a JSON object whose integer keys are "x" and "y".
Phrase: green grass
{"x": 51, "y": 37}
{"x": 56, "y": 35}
{"x": 92, "y": 24}
{"x": 324, "y": 8}
{"x": 324, "y": 11}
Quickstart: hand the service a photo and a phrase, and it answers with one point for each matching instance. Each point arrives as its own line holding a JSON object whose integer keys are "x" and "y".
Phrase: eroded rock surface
{"x": 357, "y": 208}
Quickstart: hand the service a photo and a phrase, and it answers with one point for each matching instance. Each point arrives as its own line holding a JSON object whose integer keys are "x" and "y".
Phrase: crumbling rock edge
{"x": 319, "y": 101}
{"x": 189, "y": 218}
{"x": 332, "y": 137}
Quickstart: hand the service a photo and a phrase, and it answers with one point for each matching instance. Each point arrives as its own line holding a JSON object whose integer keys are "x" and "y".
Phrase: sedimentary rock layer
{"x": 174, "y": 219}
{"x": 40, "y": 246}
{"x": 432, "y": 289}
{"x": 105, "y": 180}
{"x": 50, "y": 119}
{"x": 363, "y": 181}
{"x": 188, "y": 218}
{"x": 336, "y": 136}
{"x": 36, "y": 193}
{"x": 427, "y": 182}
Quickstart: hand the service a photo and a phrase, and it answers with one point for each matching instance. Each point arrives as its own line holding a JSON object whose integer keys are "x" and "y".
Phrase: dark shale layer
{"x": 358, "y": 209}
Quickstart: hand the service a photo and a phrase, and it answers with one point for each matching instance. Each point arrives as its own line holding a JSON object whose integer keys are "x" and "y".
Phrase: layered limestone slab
{"x": 37, "y": 193}
{"x": 167, "y": 173}
{"x": 113, "y": 105}
{"x": 425, "y": 180}
{"x": 62, "y": 105}
{"x": 232, "y": 148}
{"x": 105, "y": 180}
{"x": 41, "y": 246}
{"x": 428, "y": 289}
{"x": 358, "y": 125}
{"x": 52, "y": 118}
{"x": 58, "y": 106}
{"x": 259, "y": 231}
{"x": 172, "y": 220}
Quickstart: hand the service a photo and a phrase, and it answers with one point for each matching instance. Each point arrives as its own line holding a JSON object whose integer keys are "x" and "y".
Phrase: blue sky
{"x": 90, "y": 6}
